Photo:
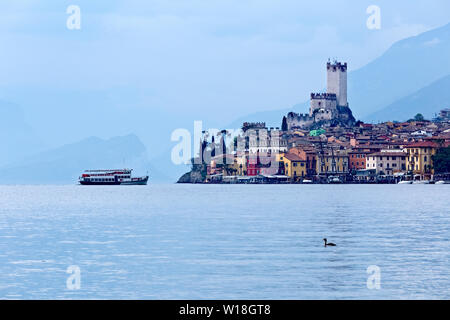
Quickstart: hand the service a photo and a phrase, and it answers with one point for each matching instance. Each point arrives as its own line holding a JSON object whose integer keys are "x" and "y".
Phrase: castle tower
{"x": 337, "y": 82}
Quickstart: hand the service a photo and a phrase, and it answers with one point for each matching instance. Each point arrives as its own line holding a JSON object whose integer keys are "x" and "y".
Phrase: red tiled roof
{"x": 423, "y": 144}
{"x": 293, "y": 157}
{"x": 388, "y": 154}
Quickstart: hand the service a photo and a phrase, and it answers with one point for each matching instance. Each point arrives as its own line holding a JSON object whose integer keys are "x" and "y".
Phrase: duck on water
{"x": 329, "y": 244}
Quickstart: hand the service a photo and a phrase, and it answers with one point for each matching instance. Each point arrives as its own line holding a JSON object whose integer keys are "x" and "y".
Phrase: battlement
{"x": 253, "y": 125}
{"x": 321, "y": 96}
{"x": 299, "y": 116}
{"x": 337, "y": 66}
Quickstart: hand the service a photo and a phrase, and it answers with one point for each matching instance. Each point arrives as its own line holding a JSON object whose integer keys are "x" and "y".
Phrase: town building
{"x": 386, "y": 162}
{"x": 419, "y": 160}
{"x": 332, "y": 162}
{"x": 294, "y": 166}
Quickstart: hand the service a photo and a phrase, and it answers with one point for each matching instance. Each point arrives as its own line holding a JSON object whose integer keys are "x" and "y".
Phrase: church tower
{"x": 337, "y": 82}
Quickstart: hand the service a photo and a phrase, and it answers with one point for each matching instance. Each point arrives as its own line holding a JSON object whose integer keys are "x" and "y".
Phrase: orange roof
{"x": 293, "y": 157}
{"x": 423, "y": 144}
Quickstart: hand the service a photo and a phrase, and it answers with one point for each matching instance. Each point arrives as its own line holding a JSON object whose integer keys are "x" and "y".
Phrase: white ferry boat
{"x": 111, "y": 177}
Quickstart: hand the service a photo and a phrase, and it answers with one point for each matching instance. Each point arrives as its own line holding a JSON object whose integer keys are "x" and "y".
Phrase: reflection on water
{"x": 225, "y": 241}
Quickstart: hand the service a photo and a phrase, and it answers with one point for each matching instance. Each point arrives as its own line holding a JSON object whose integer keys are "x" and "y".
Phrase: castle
{"x": 327, "y": 109}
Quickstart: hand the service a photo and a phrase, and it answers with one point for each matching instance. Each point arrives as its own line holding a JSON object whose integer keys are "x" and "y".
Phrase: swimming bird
{"x": 329, "y": 243}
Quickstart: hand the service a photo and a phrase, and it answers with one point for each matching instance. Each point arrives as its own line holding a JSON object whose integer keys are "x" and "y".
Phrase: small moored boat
{"x": 421, "y": 182}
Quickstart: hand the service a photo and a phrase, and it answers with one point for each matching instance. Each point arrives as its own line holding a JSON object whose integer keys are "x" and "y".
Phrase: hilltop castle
{"x": 327, "y": 109}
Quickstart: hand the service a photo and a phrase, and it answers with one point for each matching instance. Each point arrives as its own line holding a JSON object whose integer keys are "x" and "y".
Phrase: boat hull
{"x": 135, "y": 181}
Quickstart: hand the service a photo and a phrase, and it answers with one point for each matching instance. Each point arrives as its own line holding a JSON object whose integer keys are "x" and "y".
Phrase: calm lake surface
{"x": 225, "y": 241}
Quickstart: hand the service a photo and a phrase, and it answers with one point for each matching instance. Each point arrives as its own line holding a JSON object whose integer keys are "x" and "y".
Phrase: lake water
{"x": 225, "y": 241}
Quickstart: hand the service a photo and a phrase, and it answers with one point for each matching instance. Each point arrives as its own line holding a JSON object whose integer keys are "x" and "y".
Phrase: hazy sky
{"x": 198, "y": 57}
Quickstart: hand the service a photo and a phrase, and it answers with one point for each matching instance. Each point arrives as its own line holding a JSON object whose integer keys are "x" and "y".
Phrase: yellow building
{"x": 239, "y": 165}
{"x": 419, "y": 159}
{"x": 332, "y": 163}
{"x": 294, "y": 166}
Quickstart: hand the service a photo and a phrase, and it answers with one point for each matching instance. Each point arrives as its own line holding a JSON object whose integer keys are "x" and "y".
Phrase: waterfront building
{"x": 419, "y": 159}
{"x": 308, "y": 153}
{"x": 294, "y": 165}
{"x": 357, "y": 159}
{"x": 386, "y": 162}
{"x": 332, "y": 162}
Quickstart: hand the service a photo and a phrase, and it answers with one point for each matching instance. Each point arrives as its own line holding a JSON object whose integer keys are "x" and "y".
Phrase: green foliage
{"x": 284, "y": 126}
{"x": 417, "y": 117}
{"x": 441, "y": 160}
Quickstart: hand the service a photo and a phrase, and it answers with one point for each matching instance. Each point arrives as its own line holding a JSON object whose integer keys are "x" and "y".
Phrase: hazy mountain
{"x": 17, "y": 137}
{"x": 427, "y": 101}
{"x": 64, "y": 164}
{"x": 408, "y": 66}
{"x": 272, "y": 118}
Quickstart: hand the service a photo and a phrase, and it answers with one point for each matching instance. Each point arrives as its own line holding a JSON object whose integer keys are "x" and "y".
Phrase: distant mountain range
{"x": 427, "y": 101}
{"x": 17, "y": 138}
{"x": 408, "y": 66}
{"x": 65, "y": 164}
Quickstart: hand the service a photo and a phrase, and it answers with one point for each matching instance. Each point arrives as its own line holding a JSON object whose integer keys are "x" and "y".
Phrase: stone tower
{"x": 337, "y": 82}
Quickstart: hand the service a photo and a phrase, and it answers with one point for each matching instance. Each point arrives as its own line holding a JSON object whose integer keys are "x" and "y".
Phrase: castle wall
{"x": 296, "y": 120}
{"x": 323, "y": 103}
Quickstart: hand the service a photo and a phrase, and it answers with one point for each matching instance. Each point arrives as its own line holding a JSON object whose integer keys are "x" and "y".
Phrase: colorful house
{"x": 419, "y": 159}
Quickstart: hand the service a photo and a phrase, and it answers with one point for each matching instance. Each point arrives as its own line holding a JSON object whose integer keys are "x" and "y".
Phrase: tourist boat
{"x": 307, "y": 181}
{"x": 111, "y": 177}
{"x": 440, "y": 182}
{"x": 405, "y": 182}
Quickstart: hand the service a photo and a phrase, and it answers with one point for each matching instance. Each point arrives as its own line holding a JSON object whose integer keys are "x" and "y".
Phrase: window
{"x": 394, "y": 158}
{"x": 425, "y": 159}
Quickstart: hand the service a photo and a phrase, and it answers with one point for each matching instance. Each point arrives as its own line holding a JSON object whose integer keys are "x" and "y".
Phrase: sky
{"x": 197, "y": 59}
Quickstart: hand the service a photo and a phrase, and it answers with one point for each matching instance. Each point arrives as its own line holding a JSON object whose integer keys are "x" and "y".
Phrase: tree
{"x": 284, "y": 126}
{"x": 441, "y": 160}
{"x": 419, "y": 117}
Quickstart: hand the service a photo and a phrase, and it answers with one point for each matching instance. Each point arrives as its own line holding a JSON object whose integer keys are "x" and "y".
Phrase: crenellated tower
{"x": 337, "y": 81}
